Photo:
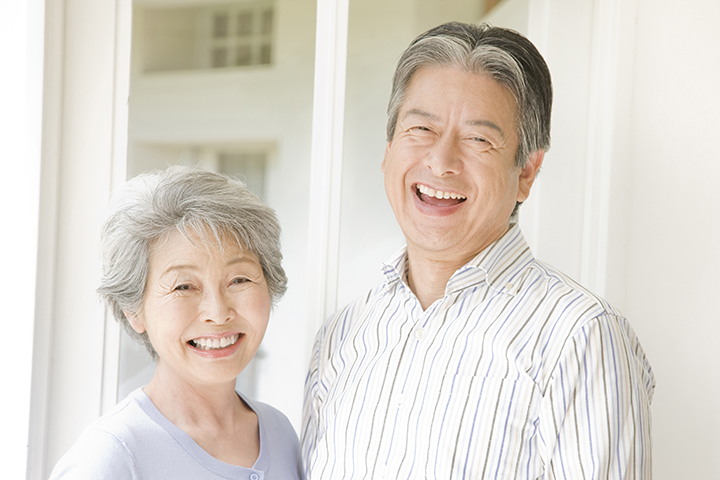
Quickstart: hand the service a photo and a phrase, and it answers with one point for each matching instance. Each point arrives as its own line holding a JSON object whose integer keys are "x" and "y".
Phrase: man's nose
{"x": 444, "y": 157}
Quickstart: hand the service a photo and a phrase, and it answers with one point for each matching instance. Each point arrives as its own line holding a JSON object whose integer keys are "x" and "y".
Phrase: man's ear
{"x": 528, "y": 174}
{"x": 135, "y": 321}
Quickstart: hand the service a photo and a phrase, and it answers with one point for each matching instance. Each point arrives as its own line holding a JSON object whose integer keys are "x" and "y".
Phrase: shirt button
{"x": 509, "y": 286}
{"x": 399, "y": 399}
{"x": 254, "y": 476}
{"x": 420, "y": 333}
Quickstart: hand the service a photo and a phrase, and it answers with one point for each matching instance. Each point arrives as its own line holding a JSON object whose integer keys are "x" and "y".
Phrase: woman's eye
{"x": 182, "y": 287}
{"x": 240, "y": 280}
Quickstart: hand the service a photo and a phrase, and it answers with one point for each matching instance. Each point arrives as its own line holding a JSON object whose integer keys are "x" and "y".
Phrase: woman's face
{"x": 205, "y": 309}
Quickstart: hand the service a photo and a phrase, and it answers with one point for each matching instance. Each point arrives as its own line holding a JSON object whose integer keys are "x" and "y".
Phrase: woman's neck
{"x": 214, "y": 416}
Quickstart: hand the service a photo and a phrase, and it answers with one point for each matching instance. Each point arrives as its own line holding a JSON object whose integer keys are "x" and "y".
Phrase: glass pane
{"x": 219, "y": 57}
{"x": 179, "y": 37}
{"x": 245, "y": 24}
{"x": 265, "y": 54}
{"x": 253, "y": 123}
{"x": 243, "y": 55}
{"x": 266, "y": 24}
{"x": 220, "y": 25}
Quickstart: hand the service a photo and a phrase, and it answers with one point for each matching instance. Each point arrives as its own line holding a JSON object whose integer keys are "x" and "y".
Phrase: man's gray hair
{"x": 504, "y": 55}
{"x": 213, "y": 206}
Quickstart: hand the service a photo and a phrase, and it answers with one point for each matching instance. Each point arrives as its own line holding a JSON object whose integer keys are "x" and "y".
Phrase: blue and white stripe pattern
{"x": 517, "y": 373}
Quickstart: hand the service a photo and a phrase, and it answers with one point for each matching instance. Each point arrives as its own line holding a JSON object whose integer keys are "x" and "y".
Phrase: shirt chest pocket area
{"x": 489, "y": 408}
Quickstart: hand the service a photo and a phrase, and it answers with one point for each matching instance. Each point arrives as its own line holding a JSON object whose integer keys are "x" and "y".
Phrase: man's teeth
{"x": 214, "y": 343}
{"x": 430, "y": 192}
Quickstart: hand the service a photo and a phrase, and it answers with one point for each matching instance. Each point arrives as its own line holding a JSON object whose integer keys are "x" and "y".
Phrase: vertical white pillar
{"x": 84, "y": 120}
{"x": 326, "y": 162}
{"x": 21, "y": 56}
{"x": 606, "y": 86}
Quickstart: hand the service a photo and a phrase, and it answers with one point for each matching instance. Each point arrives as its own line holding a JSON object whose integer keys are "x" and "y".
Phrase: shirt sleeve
{"x": 97, "y": 455}
{"x": 310, "y": 408}
{"x": 595, "y": 412}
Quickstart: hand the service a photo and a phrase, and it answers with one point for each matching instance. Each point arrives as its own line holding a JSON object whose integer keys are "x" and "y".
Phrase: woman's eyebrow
{"x": 241, "y": 259}
{"x": 178, "y": 268}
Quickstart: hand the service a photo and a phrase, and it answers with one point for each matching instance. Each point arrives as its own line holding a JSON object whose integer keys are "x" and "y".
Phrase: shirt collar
{"x": 501, "y": 265}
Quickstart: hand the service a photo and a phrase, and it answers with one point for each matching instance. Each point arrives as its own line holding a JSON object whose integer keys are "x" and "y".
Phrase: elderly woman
{"x": 191, "y": 268}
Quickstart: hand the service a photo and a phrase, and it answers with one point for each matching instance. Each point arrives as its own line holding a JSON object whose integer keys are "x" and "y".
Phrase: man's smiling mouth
{"x": 438, "y": 197}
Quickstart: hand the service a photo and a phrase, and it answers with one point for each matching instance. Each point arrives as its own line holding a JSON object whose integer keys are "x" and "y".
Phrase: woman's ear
{"x": 387, "y": 150}
{"x": 135, "y": 321}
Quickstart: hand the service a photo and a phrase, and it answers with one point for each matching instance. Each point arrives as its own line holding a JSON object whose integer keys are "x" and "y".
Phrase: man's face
{"x": 455, "y": 138}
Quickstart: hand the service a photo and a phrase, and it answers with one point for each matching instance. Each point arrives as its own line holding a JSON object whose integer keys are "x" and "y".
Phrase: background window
{"x": 201, "y": 37}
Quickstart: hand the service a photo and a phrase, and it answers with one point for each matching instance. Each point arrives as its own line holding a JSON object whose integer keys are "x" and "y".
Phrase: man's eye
{"x": 240, "y": 280}
{"x": 420, "y": 129}
{"x": 480, "y": 144}
{"x": 182, "y": 287}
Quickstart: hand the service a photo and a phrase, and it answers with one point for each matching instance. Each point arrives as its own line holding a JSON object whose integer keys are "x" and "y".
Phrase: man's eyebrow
{"x": 420, "y": 113}
{"x": 487, "y": 123}
{"x": 478, "y": 122}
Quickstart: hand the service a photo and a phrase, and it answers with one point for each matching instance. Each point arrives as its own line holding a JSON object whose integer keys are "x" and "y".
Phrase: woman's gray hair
{"x": 150, "y": 206}
{"x": 506, "y": 56}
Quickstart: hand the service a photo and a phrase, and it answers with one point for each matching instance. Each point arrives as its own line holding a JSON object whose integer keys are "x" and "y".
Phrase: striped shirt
{"x": 517, "y": 372}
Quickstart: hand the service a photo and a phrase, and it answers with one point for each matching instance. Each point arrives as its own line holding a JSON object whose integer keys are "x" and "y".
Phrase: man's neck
{"x": 429, "y": 272}
{"x": 427, "y": 278}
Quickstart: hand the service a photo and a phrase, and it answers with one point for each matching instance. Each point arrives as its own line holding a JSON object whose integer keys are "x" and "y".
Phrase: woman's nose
{"x": 217, "y": 307}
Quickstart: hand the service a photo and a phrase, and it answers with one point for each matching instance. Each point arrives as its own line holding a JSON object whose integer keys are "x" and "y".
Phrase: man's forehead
{"x": 414, "y": 104}
{"x": 448, "y": 74}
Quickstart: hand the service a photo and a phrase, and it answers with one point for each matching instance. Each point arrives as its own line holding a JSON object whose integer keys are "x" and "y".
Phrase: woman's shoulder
{"x": 100, "y": 452}
{"x": 269, "y": 417}
{"x": 105, "y": 448}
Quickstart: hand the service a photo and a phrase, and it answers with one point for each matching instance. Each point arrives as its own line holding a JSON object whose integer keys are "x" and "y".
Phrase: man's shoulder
{"x": 565, "y": 296}
{"x": 342, "y": 318}
{"x": 369, "y": 297}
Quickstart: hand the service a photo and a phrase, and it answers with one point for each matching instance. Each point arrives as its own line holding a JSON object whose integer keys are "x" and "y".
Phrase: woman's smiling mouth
{"x": 207, "y": 343}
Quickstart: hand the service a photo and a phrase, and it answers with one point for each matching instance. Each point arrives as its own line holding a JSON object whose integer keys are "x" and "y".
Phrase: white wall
{"x": 626, "y": 198}
{"x": 635, "y": 122}
{"x": 672, "y": 219}
{"x": 638, "y": 148}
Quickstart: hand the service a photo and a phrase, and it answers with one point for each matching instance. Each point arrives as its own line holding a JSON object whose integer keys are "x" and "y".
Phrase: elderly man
{"x": 473, "y": 359}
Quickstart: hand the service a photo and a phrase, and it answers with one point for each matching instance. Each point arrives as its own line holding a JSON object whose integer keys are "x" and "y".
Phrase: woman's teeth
{"x": 214, "y": 343}
{"x": 430, "y": 192}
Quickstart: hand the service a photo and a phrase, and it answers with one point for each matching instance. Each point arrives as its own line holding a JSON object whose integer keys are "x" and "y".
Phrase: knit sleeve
{"x": 97, "y": 455}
